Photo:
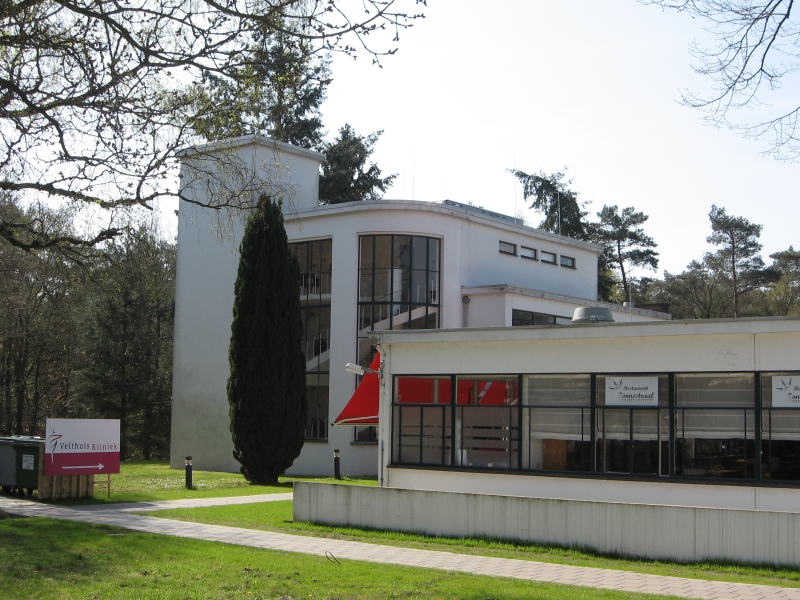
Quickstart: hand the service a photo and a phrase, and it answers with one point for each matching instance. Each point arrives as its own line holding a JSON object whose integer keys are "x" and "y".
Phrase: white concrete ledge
{"x": 680, "y": 533}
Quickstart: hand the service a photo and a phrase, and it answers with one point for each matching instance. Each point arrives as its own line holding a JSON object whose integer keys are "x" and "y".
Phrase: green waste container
{"x": 8, "y": 466}
{"x": 19, "y": 463}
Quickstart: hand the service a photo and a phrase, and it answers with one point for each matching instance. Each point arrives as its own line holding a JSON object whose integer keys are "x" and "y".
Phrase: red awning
{"x": 362, "y": 409}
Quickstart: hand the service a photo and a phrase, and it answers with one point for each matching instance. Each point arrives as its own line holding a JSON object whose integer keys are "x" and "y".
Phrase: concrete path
{"x": 191, "y": 503}
{"x": 411, "y": 557}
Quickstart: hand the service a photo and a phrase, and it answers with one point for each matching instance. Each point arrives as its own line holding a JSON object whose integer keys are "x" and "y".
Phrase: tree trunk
{"x": 622, "y": 270}
{"x": 7, "y": 347}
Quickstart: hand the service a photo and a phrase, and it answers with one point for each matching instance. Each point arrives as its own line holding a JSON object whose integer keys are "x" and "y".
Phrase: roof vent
{"x": 592, "y": 314}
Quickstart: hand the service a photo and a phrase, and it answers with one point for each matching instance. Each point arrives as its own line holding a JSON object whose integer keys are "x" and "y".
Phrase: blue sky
{"x": 540, "y": 85}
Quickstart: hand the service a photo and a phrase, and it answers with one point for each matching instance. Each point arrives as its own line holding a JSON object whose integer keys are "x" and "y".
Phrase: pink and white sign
{"x": 81, "y": 447}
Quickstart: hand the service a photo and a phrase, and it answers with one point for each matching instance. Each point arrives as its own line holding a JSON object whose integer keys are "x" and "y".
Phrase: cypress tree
{"x": 266, "y": 389}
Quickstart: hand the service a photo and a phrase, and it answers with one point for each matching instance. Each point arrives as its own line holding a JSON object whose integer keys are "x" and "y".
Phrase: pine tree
{"x": 346, "y": 177}
{"x": 739, "y": 256}
{"x": 277, "y": 92}
{"x": 266, "y": 389}
{"x": 625, "y": 241}
{"x": 563, "y": 214}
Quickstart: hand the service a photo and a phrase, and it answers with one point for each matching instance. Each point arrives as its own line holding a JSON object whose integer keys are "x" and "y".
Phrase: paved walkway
{"x": 191, "y": 503}
{"x": 411, "y": 557}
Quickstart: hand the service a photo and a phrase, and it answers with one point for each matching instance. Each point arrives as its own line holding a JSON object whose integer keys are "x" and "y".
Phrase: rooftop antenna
{"x": 515, "y": 189}
{"x": 413, "y": 173}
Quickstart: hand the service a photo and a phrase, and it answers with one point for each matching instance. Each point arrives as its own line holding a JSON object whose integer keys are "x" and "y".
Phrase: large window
{"x": 715, "y": 425}
{"x": 632, "y": 424}
{"x": 780, "y": 426}
{"x": 315, "y": 311}
{"x": 398, "y": 288}
{"x": 680, "y": 426}
{"x": 556, "y": 415}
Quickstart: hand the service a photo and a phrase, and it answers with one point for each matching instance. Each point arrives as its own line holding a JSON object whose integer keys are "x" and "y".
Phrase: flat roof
{"x": 451, "y": 209}
{"x": 593, "y": 330}
{"x": 504, "y": 288}
{"x": 247, "y": 140}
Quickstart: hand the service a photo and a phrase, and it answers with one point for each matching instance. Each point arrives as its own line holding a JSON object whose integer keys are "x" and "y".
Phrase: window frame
{"x": 321, "y": 301}
{"x": 371, "y": 302}
{"x": 544, "y": 253}
{"x": 574, "y": 264}
{"x": 513, "y": 247}
{"x": 665, "y": 427}
{"x": 533, "y": 250}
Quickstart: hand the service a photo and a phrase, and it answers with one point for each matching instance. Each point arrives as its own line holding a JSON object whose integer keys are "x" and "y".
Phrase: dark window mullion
{"x": 592, "y": 424}
{"x": 769, "y": 443}
{"x": 442, "y": 420}
{"x": 757, "y": 428}
{"x": 453, "y": 398}
{"x": 630, "y": 442}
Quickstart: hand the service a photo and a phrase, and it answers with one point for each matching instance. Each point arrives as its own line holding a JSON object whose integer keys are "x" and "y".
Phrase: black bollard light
{"x": 337, "y": 471}
{"x": 188, "y": 472}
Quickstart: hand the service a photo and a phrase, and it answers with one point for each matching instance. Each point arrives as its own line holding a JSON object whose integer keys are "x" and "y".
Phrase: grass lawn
{"x": 149, "y": 481}
{"x": 272, "y": 516}
{"x": 43, "y": 558}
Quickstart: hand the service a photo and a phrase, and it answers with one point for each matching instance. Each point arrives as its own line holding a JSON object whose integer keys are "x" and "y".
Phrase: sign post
{"x": 81, "y": 447}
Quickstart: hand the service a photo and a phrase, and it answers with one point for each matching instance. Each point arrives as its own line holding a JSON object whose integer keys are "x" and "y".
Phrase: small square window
{"x": 548, "y": 257}
{"x": 507, "y": 248}
{"x": 567, "y": 261}
{"x": 526, "y": 252}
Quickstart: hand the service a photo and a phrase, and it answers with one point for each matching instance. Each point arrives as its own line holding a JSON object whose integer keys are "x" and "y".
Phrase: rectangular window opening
{"x": 508, "y": 248}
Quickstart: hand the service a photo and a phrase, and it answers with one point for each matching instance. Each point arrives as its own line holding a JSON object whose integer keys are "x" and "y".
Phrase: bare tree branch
{"x": 98, "y": 97}
{"x": 757, "y": 49}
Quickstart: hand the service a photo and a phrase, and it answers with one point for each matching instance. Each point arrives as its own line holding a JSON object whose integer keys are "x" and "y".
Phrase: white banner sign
{"x": 785, "y": 391}
{"x": 81, "y": 446}
{"x": 631, "y": 391}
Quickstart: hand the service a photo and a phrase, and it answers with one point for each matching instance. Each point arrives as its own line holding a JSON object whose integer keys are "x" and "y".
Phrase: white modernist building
{"x": 366, "y": 266}
{"x": 671, "y": 440}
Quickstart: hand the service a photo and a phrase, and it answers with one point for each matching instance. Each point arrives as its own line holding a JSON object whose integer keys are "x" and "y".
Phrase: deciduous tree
{"x": 98, "y": 97}
{"x": 128, "y": 341}
{"x": 757, "y": 50}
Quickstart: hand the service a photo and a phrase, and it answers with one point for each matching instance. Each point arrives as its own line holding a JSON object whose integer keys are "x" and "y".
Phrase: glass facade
{"x": 678, "y": 426}
{"x": 315, "y": 306}
{"x": 398, "y": 288}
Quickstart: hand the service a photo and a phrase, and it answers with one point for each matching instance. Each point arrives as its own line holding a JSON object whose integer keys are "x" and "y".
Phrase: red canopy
{"x": 362, "y": 409}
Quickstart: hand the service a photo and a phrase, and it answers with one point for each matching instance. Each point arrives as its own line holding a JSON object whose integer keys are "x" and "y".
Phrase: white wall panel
{"x": 651, "y": 531}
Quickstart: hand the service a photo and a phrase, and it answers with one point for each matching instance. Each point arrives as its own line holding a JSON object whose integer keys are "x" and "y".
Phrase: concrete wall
{"x": 206, "y": 266}
{"x": 486, "y": 265}
{"x": 740, "y": 497}
{"x": 648, "y": 531}
{"x": 493, "y": 306}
